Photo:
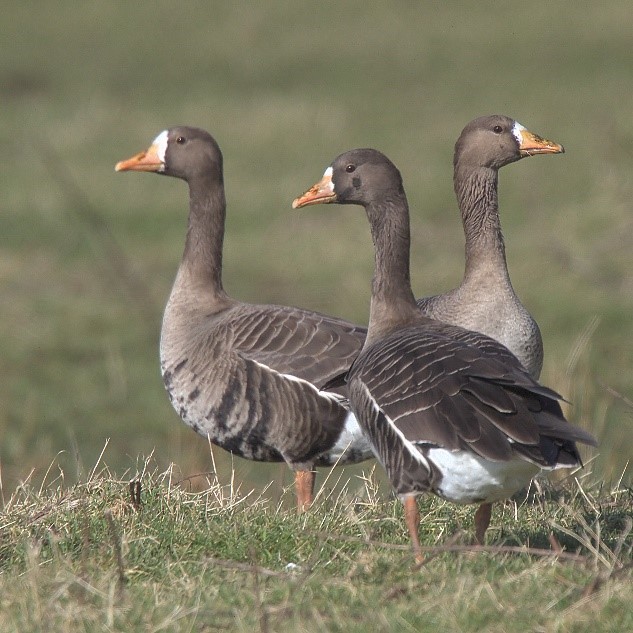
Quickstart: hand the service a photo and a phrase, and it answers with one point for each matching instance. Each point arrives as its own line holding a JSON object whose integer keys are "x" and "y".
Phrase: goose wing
{"x": 307, "y": 345}
{"x": 443, "y": 386}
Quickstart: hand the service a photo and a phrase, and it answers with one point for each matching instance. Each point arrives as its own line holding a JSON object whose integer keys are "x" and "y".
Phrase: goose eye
{"x": 350, "y": 168}
{"x": 180, "y": 140}
{"x": 497, "y": 129}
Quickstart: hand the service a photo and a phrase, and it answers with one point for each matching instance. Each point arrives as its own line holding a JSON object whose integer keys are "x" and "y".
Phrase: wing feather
{"x": 444, "y": 386}
{"x": 308, "y": 345}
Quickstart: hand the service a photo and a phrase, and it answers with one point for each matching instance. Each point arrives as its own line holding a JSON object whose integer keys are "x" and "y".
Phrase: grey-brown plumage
{"x": 485, "y": 300}
{"x": 244, "y": 375}
{"x": 448, "y": 410}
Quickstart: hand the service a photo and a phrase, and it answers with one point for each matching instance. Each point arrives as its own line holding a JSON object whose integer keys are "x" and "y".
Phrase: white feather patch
{"x": 328, "y": 174}
{"x": 468, "y": 478}
{"x": 160, "y": 142}
{"x": 517, "y": 128}
{"x": 351, "y": 438}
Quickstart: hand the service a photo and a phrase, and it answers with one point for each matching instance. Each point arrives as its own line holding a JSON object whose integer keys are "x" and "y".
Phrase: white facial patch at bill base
{"x": 328, "y": 174}
{"x": 160, "y": 143}
{"x": 517, "y": 128}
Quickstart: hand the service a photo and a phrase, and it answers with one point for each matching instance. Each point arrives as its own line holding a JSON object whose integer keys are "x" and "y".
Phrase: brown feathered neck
{"x": 392, "y": 301}
{"x": 201, "y": 265}
{"x": 476, "y": 188}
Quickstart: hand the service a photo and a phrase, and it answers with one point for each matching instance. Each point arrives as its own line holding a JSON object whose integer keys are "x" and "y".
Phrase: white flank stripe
{"x": 325, "y": 394}
{"x": 351, "y": 437}
{"x": 410, "y": 446}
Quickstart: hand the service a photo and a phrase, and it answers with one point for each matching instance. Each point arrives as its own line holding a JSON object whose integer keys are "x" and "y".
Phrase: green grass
{"x": 85, "y": 558}
{"x": 87, "y": 256}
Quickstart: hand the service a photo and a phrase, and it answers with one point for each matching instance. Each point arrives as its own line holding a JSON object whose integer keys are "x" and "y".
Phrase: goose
{"x": 485, "y": 301}
{"x": 241, "y": 374}
{"x": 447, "y": 410}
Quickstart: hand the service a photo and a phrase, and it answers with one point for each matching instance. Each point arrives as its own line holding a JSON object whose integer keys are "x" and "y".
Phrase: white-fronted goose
{"x": 485, "y": 301}
{"x": 240, "y": 374}
{"x": 448, "y": 410}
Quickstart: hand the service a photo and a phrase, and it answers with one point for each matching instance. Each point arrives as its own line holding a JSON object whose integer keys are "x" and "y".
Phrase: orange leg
{"x": 412, "y": 519}
{"x": 304, "y": 486}
{"x": 482, "y": 521}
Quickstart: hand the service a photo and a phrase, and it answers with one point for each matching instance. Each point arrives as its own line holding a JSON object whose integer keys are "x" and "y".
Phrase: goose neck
{"x": 392, "y": 302}
{"x": 477, "y": 196}
{"x": 202, "y": 259}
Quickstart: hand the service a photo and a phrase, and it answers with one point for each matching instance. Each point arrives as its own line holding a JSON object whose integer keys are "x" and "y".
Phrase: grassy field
{"x": 89, "y": 558}
{"x": 87, "y": 258}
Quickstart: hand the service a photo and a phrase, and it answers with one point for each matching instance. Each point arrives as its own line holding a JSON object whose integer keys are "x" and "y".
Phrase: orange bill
{"x": 144, "y": 161}
{"x": 320, "y": 193}
{"x": 531, "y": 144}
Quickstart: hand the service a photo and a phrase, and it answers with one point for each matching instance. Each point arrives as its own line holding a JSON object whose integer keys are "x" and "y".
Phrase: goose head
{"x": 497, "y": 140}
{"x": 182, "y": 152}
{"x": 359, "y": 176}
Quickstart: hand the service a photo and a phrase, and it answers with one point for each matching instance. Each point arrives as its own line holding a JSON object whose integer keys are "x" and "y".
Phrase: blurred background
{"x": 87, "y": 256}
